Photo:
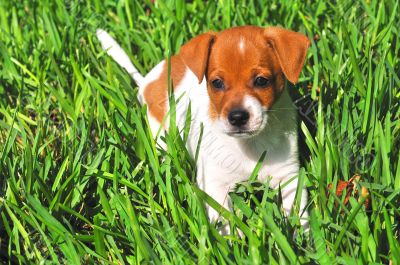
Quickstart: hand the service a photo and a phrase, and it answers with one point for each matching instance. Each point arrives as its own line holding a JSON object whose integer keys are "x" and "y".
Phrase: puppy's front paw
{"x": 213, "y": 215}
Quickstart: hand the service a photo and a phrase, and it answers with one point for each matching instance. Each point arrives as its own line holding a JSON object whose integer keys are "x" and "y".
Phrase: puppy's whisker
{"x": 277, "y": 109}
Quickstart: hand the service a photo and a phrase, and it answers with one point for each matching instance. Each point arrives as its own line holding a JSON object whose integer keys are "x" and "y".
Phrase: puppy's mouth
{"x": 242, "y": 133}
{"x": 246, "y": 131}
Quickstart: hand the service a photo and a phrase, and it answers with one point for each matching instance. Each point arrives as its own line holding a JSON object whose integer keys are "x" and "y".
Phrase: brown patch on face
{"x": 239, "y": 67}
{"x": 269, "y": 95}
{"x": 156, "y": 93}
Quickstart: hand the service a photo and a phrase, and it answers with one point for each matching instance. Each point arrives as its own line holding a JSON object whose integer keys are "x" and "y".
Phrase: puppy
{"x": 234, "y": 81}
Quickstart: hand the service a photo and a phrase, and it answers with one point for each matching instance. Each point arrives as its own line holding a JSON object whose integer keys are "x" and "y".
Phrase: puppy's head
{"x": 245, "y": 69}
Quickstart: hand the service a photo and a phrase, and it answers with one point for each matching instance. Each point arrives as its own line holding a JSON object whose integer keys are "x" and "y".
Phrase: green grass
{"x": 83, "y": 182}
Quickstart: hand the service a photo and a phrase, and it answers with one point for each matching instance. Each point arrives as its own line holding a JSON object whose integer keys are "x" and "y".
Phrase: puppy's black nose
{"x": 238, "y": 117}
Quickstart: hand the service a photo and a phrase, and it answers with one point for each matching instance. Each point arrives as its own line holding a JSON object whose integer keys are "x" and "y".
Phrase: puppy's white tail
{"x": 119, "y": 55}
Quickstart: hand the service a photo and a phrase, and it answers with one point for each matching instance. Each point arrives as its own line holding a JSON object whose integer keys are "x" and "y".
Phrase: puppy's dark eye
{"x": 261, "y": 82}
{"x": 218, "y": 84}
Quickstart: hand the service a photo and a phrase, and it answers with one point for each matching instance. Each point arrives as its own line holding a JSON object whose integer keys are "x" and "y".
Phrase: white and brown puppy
{"x": 234, "y": 81}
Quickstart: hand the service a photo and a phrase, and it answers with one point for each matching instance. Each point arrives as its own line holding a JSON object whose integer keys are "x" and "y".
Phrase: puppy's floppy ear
{"x": 290, "y": 48}
{"x": 195, "y": 54}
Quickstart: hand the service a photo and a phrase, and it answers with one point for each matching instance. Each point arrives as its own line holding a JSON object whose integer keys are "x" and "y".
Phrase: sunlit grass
{"x": 82, "y": 181}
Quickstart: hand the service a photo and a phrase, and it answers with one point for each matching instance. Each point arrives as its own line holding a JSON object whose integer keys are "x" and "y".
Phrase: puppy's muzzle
{"x": 238, "y": 117}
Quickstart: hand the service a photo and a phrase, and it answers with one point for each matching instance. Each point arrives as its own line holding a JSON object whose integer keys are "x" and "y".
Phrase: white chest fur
{"x": 239, "y": 156}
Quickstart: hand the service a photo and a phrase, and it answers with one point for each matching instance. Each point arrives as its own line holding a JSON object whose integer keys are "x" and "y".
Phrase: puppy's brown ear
{"x": 195, "y": 54}
{"x": 290, "y": 48}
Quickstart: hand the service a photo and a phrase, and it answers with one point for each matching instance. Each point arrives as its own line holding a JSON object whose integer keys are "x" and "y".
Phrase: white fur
{"x": 225, "y": 160}
{"x": 257, "y": 121}
{"x": 119, "y": 55}
{"x": 241, "y": 45}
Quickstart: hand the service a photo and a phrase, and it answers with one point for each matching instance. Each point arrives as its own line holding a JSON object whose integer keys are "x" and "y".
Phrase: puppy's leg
{"x": 220, "y": 195}
{"x": 288, "y": 197}
{"x": 209, "y": 180}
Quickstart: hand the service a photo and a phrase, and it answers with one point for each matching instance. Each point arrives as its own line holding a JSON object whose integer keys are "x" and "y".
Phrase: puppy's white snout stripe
{"x": 119, "y": 55}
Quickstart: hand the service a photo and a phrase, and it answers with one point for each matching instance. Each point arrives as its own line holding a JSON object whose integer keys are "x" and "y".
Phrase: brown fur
{"x": 156, "y": 93}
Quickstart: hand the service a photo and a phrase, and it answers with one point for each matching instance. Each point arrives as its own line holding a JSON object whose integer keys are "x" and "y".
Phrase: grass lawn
{"x": 82, "y": 181}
